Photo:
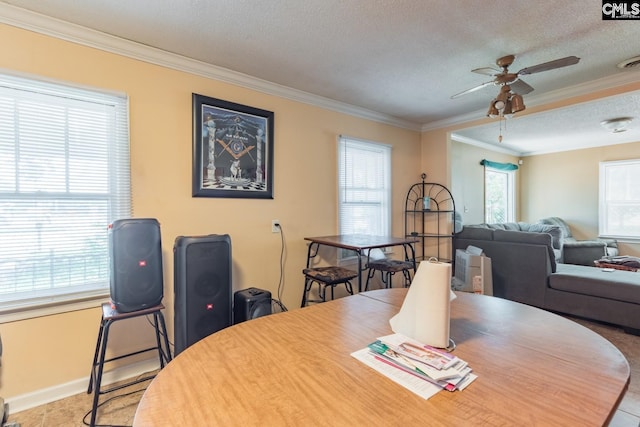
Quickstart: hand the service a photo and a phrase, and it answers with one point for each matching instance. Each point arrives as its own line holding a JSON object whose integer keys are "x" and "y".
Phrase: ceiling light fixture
{"x": 616, "y": 125}
{"x": 506, "y": 104}
{"x": 629, "y": 63}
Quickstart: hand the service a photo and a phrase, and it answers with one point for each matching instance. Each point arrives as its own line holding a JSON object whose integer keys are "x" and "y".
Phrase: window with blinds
{"x": 619, "y": 199}
{"x": 64, "y": 177}
{"x": 364, "y": 181}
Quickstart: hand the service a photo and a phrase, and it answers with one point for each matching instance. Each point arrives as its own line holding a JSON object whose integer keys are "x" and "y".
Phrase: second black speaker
{"x": 251, "y": 303}
{"x": 202, "y": 287}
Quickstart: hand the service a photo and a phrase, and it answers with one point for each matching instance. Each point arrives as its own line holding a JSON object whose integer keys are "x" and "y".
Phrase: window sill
{"x": 622, "y": 239}
{"x": 49, "y": 309}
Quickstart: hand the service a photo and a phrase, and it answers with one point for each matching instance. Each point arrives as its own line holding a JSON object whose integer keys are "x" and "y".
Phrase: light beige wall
{"x": 435, "y": 156}
{"x": 52, "y": 350}
{"x": 566, "y": 185}
{"x": 467, "y": 179}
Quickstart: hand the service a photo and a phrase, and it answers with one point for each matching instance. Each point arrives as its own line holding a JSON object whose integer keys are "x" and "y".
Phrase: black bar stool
{"x": 387, "y": 268}
{"x": 109, "y": 316}
{"x": 326, "y": 276}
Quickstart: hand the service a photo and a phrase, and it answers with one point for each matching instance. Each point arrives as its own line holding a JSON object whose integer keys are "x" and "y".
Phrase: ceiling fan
{"x": 509, "y": 100}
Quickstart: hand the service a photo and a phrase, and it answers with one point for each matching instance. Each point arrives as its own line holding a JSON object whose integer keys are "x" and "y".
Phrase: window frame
{"x": 68, "y": 98}
{"x": 510, "y": 191}
{"x": 604, "y": 202}
{"x": 385, "y": 209}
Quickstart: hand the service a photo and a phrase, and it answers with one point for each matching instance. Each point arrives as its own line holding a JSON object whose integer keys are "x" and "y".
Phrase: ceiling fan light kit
{"x": 506, "y": 104}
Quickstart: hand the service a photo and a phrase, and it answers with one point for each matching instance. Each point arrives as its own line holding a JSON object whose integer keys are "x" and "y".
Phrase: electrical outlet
{"x": 275, "y": 226}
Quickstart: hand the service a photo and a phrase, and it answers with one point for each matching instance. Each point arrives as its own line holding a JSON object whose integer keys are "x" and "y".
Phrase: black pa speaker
{"x": 202, "y": 287}
{"x": 251, "y": 303}
{"x": 135, "y": 264}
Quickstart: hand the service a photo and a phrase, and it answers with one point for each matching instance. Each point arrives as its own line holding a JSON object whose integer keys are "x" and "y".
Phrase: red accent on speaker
{"x": 135, "y": 264}
{"x": 202, "y": 287}
{"x": 251, "y": 303}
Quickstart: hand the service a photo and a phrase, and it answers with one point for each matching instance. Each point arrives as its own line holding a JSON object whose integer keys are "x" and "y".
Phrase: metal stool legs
{"x": 108, "y": 318}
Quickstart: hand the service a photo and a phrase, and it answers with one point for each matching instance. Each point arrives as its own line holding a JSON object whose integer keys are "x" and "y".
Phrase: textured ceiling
{"x": 401, "y": 58}
{"x": 575, "y": 127}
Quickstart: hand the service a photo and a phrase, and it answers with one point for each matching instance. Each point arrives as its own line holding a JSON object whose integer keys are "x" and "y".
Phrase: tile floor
{"x": 73, "y": 411}
{"x": 69, "y": 412}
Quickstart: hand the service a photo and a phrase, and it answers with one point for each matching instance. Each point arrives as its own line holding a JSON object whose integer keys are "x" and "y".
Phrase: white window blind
{"x": 619, "y": 201}
{"x": 364, "y": 180}
{"x": 64, "y": 177}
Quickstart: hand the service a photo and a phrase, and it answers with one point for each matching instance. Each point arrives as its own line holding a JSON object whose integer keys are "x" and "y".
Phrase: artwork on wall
{"x": 232, "y": 150}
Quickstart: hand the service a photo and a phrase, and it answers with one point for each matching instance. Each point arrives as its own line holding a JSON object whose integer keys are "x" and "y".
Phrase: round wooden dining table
{"x": 295, "y": 368}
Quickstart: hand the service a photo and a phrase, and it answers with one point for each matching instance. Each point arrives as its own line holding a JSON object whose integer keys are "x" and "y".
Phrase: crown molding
{"x": 46, "y": 25}
{"x": 491, "y": 147}
{"x": 620, "y": 79}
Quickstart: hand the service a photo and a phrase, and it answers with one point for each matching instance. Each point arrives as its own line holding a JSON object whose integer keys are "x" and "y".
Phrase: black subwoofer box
{"x": 135, "y": 264}
{"x": 202, "y": 287}
{"x": 251, "y": 303}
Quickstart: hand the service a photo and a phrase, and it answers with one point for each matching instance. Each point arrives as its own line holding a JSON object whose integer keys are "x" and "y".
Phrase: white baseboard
{"x": 51, "y": 394}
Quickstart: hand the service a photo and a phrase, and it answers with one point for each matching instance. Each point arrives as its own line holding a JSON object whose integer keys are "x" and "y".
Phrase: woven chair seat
{"x": 330, "y": 275}
{"x": 391, "y": 265}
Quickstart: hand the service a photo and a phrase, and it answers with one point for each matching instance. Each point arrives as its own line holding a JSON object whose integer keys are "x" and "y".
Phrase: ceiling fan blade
{"x": 520, "y": 87}
{"x": 473, "y": 89}
{"x": 551, "y": 65}
{"x": 487, "y": 71}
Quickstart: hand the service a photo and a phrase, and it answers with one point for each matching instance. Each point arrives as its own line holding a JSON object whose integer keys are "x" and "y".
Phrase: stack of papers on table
{"x": 418, "y": 367}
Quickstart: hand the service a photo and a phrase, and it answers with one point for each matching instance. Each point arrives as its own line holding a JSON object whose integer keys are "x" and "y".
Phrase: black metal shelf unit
{"x": 429, "y": 216}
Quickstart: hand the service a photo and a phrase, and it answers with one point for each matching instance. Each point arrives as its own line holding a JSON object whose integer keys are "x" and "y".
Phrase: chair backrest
{"x": 564, "y": 227}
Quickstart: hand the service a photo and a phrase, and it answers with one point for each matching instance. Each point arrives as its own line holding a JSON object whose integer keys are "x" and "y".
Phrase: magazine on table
{"x": 417, "y": 351}
{"x": 405, "y": 360}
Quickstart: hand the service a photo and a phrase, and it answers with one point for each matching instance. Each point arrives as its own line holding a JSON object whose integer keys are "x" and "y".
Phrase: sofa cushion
{"x": 554, "y": 230}
{"x": 475, "y": 232}
{"x": 528, "y": 238}
{"x": 557, "y": 221}
{"x": 616, "y": 285}
{"x": 512, "y": 226}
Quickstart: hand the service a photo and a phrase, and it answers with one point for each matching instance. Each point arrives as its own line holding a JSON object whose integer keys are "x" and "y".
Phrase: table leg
{"x": 359, "y": 253}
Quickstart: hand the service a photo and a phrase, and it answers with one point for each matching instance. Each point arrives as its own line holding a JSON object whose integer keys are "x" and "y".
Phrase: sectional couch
{"x": 525, "y": 268}
{"x": 580, "y": 252}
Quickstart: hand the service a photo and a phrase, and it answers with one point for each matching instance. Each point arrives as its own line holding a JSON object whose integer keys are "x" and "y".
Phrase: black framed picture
{"x": 232, "y": 150}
